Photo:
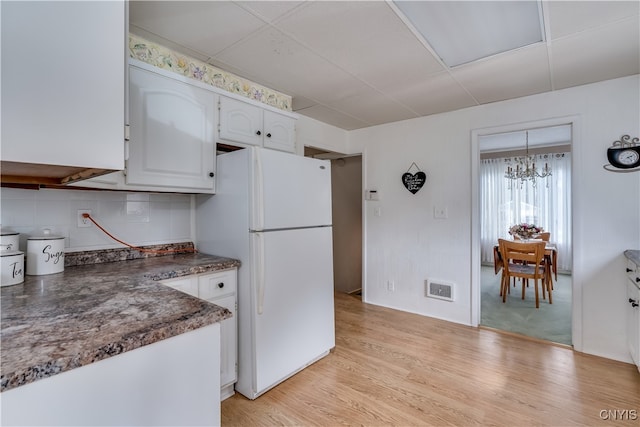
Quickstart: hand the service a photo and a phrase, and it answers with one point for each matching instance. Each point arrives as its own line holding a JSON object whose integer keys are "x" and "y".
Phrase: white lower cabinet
{"x": 166, "y": 383}
{"x": 633, "y": 311}
{"x": 219, "y": 288}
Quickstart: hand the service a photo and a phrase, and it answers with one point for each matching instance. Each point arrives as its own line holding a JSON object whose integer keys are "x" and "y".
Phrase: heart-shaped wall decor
{"x": 414, "y": 181}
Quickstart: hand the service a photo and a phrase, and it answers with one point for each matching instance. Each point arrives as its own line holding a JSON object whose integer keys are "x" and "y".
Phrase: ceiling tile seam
{"x": 546, "y": 18}
{"x": 615, "y": 23}
{"x": 427, "y": 46}
{"x": 267, "y": 24}
{"x": 285, "y": 15}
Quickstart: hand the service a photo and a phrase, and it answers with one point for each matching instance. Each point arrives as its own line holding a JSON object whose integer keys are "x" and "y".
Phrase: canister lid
{"x": 8, "y": 233}
{"x": 46, "y": 235}
{"x": 10, "y": 253}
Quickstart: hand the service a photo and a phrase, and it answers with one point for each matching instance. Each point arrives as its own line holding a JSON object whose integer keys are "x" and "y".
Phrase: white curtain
{"x": 504, "y": 203}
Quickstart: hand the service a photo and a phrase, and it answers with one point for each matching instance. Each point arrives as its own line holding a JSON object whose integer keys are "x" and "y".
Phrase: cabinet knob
{"x": 258, "y": 133}
{"x": 631, "y": 300}
{"x": 211, "y": 174}
{"x": 629, "y": 270}
{"x": 268, "y": 135}
{"x": 221, "y": 285}
{"x": 634, "y": 304}
{"x": 637, "y": 279}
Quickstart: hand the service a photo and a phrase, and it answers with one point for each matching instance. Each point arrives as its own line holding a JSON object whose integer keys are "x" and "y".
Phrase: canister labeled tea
{"x": 12, "y": 267}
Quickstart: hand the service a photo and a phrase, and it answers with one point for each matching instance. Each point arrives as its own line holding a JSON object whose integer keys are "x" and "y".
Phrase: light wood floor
{"x": 395, "y": 368}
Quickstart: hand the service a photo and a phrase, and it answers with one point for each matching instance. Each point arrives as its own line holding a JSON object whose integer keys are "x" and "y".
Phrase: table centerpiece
{"x": 525, "y": 231}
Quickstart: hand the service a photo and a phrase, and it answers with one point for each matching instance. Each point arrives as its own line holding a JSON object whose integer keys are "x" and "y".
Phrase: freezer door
{"x": 290, "y": 191}
{"x": 294, "y": 313}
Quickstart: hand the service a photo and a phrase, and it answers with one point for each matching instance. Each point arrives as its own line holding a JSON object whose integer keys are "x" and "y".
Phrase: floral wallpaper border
{"x": 162, "y": 57}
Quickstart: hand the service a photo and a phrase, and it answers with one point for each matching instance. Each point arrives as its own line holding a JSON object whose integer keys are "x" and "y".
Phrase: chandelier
{"x": 525, "y": 169}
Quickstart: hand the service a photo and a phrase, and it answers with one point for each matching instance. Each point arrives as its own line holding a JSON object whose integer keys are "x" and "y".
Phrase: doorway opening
{"x": 346, "y": 198}
{"x": 542, "y": 201}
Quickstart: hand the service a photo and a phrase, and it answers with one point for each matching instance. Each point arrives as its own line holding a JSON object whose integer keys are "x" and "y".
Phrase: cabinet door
{"x": 63, "y": 83}
{"x": 240, "y": 122}
{"x": 172, "y": 141}
{"x": 220, "y": 288}
{"x": 228, "y": 341}
{"x": 633, "y": 322}
{"x": 279, "y": 132}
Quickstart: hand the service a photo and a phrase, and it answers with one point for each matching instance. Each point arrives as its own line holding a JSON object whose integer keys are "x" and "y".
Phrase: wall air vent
{"x": 438, "y": 289}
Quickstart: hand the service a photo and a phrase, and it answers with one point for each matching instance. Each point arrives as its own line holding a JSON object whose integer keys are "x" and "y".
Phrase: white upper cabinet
{"x": 249, "y": 124}
{"x": 172, "y": 127}
{"x": 280, "y": 132}
{"x": 63, "y": 83}
{"x": 240, "y": 122}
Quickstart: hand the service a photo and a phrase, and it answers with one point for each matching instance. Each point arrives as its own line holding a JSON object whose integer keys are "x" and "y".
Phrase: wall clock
{"x": 624, "y": 155}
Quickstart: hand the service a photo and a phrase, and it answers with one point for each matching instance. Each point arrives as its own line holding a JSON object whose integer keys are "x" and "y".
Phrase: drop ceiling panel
{"x": 464, "y": 31}
{"x": 619, "y": 44}
{"x": 436, "y": 94}
{"x": 168, "y": 43}
{"x": 200, "y": 25}
{"x": 285, "y": 63}
{"x": 333, "y": 117}
{"x": 271, "y": 11}
{"x": 300, "y": 103}
{"x": 510, "y": 75}
{"x": 568, "y": 17}
{"x": 343, "y": 33}
{"x": 371, "y": 107}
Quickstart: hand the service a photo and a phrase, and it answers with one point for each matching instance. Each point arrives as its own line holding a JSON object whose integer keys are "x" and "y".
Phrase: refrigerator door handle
{"x": 259, "y": 248}
{"x": 258, "y": 185}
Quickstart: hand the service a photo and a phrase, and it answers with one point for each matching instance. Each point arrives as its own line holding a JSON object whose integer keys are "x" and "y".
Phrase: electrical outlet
{"x": 391, "y": 287}
{"x": 82, "y": 221}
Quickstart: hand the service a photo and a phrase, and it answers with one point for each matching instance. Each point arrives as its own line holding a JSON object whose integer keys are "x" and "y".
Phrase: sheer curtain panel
{"x": 504, "y": 203}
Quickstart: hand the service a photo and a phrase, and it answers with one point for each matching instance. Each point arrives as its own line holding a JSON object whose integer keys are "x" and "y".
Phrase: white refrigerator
{"x": 272, "y": 211}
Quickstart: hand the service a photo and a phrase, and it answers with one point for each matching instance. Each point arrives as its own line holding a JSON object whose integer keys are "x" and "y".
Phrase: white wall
{"x": 407, "y": 245}
{"x": 313, "y": 133}
{"x": 136, "y": 218}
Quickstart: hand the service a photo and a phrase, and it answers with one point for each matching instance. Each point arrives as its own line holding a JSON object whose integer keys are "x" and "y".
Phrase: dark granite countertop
{"x": 633, "y": 255}
{"x": 57, "y": 322}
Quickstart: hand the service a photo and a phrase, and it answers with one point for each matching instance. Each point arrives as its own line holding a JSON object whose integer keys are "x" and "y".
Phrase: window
{"x": 548, "y": 204}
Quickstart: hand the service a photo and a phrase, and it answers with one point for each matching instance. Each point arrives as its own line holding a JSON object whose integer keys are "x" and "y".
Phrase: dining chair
{"x": 546, "y": 236}
{"x": 523, "y": 260}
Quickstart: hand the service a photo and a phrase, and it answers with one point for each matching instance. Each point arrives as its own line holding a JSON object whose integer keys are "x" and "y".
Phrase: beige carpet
{"x": 551, "y": 322}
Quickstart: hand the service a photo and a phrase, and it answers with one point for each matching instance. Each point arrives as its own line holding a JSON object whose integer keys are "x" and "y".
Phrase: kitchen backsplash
{"x": 136, "y": 218}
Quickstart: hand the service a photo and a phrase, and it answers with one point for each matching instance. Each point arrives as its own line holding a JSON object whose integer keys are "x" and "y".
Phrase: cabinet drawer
{"x": 217, "y": 284}
{"x": 188, "y": 285}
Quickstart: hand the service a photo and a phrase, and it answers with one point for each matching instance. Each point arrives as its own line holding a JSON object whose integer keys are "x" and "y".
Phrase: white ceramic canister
{"x": 12, "y": 268}
{"x": 45, "y": 254}
{"x": 9, "y": 240}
